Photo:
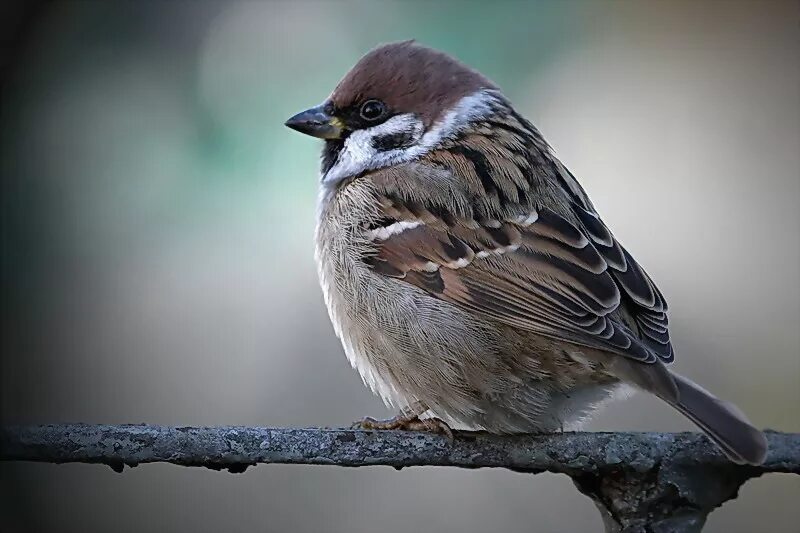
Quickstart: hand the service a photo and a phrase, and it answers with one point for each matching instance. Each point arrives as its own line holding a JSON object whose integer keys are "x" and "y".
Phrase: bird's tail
{"x": 724, "y": 423}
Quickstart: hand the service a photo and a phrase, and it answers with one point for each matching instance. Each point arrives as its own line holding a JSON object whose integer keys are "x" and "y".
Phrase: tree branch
{"x": 662, "y": 481}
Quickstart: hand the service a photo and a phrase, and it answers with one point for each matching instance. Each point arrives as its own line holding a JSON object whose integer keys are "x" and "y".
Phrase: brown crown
{"x": 409, "y": 78}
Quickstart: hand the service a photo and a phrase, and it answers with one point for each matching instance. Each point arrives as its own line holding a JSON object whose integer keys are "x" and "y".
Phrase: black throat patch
{"x": 330, "y": 153}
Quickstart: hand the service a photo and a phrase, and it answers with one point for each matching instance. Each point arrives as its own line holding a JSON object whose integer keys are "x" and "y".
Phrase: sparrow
{"x": 467, "y": 273}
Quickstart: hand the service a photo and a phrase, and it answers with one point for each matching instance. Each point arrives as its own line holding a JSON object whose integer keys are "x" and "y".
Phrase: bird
{"x": 469, "y": 277}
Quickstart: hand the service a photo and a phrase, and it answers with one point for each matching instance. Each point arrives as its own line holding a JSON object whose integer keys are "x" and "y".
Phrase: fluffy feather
{"x": 466, "y": 270}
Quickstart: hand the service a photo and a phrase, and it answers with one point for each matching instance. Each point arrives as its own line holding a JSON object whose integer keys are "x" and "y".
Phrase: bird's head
{"x": 398, "y": 102}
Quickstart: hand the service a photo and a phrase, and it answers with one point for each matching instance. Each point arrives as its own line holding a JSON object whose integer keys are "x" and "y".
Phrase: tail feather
{"x": 724, "y": 423}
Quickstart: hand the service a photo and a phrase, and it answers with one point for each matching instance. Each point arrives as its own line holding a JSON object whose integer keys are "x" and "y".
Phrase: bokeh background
{"x": 157, "y": 238}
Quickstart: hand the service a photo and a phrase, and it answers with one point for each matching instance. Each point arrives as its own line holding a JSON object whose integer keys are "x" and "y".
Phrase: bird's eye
{"x": 372, "y": 110}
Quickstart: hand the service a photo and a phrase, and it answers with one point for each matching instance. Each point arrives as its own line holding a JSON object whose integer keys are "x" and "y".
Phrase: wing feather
{"x": 556, "y": 271}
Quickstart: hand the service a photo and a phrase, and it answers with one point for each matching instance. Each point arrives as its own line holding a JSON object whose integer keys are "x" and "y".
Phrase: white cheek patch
{"x": 359, "y": 154}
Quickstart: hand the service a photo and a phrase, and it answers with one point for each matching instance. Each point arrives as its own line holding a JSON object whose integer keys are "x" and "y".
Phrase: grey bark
{"x": 640, "y": 482}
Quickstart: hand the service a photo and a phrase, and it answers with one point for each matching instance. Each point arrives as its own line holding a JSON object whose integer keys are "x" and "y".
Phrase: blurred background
{"x": 157, "y": 238}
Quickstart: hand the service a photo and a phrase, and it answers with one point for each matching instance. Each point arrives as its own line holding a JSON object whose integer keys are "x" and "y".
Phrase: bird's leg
{"x": 408, "y": 420}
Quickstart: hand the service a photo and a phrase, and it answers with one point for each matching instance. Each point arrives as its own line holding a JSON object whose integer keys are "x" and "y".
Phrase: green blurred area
{"x": 152, "y": 118}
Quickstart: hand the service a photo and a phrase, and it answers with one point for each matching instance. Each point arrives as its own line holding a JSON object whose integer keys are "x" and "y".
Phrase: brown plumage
{"x": 466, "y": 271}
{"x": 408, "y": 78}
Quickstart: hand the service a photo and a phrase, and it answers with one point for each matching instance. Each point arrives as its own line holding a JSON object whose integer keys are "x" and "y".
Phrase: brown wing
{"x": 562, "y": 275}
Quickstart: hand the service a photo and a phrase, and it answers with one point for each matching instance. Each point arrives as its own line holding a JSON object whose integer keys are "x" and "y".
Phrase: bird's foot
{"x": 406, "y": 423}
{"x": 407, "y": 420}
{"x": 433, "y": 425}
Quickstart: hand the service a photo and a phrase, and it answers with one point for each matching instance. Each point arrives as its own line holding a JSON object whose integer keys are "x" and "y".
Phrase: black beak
{"x": 317, "y": 123}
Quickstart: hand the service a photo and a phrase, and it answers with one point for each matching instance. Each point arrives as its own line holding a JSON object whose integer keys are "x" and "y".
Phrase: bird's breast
{"x": 353, "y": 295}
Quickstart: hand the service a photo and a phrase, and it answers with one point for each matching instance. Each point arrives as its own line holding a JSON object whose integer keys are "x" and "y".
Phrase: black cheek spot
{"x": 392, "y": 141}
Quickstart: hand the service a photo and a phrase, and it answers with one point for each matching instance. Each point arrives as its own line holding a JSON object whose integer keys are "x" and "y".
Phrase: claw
{"x": 369, "y": 423}
{"x": 433, "y": 425}
{"x": 406, "y": 422}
